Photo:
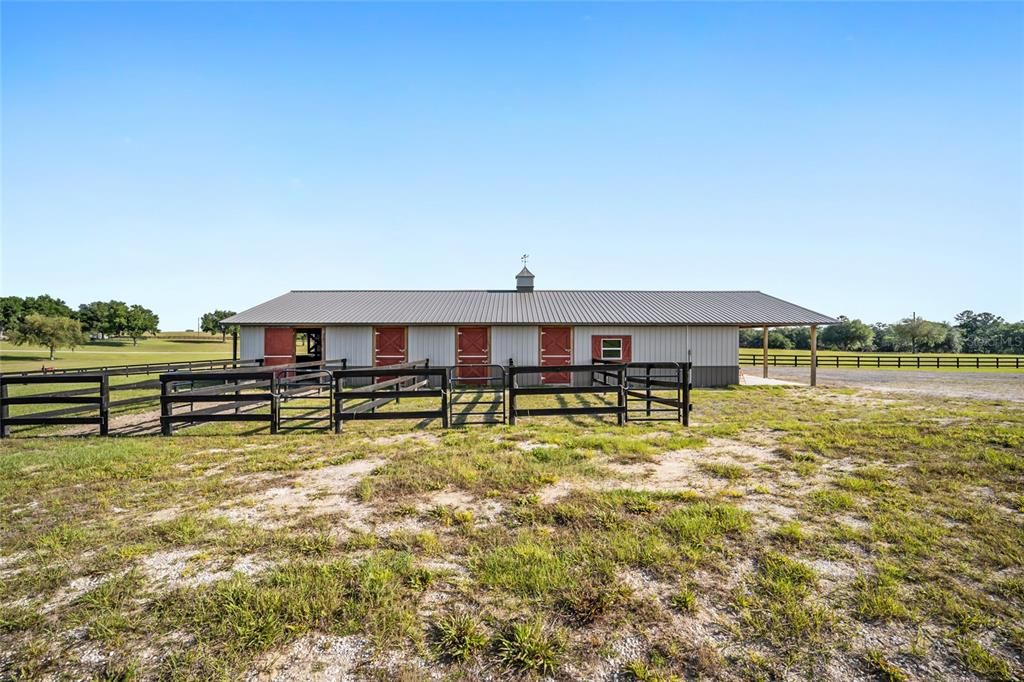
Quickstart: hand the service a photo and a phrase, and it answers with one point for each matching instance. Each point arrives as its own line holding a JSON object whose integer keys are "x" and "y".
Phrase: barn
{"x": 526, "y": 325}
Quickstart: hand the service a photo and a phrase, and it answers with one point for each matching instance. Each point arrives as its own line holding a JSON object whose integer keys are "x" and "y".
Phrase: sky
{"x": 856, "y": 159}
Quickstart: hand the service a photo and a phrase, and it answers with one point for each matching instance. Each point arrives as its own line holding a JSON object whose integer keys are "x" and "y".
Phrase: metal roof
{"x": 742, "y": 308}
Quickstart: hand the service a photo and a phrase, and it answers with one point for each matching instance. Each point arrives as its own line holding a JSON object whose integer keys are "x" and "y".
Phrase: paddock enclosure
{"x": 325, "y": 395}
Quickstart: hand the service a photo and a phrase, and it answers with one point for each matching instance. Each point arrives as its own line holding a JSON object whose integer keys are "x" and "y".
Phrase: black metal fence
{"x": 324, "y": 395}
{"x": 239, "y": 395}
{"x": 616, "y": 390}
{"x": 389, "y": 384}
{"x": 219, "y": 391}
{"x": 650, "y": 387}
{"x": 476, "y": 394}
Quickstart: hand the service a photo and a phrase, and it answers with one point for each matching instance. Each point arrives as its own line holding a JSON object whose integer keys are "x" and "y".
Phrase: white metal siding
{"x": 522, "y": 344}
{"x": 436, "y": 344}
{"x": 250, "y": 343}
{"x": 714, "y": 346}
{"x": 650, "y": 344}
{"x": 710, "y": 346}
{"x": 352, "y": 343}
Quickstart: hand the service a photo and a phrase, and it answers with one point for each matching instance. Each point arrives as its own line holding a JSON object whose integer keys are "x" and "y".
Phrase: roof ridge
{"x": 513, "y": 291}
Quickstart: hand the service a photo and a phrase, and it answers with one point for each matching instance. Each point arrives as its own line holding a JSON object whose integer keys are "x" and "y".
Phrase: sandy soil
{"x": 952, "y": 384}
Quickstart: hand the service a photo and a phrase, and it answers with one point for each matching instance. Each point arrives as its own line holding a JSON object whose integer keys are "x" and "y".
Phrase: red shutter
{"x": 627, "y": 346}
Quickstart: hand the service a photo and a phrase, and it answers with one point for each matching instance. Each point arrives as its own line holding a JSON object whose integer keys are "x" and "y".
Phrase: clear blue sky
{"x": 858, "y": 159}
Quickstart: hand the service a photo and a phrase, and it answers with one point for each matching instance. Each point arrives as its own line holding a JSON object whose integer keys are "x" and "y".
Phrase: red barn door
{"x": 278, "y": 346}
{"x": 555, "y": 349}
{"x": 388, "y": 346}
{"x": 472, "y": 347}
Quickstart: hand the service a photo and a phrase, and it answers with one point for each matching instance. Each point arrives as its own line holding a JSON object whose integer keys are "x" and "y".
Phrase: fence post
{"x": 686, "y": 393}
{"x": 165, "y": 409}
{"x": 336, "y": 403}
{"x": 5, "y": 410}
{"x": 622, "y": 398}
{"x": 679, "y": 390}
{"x": 511, "y": 393}
{"x": 445, "y": 379}
{"x": 104, "y": 404}
{"x": 275, "y": 406}
{"x": 648, "y": 377}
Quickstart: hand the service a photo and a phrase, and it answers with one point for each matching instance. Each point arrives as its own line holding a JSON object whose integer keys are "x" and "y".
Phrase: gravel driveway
{"x": 955, "y": 384}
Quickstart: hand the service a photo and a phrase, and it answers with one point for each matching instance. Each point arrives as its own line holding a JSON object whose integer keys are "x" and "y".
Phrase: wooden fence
{"x": 236, "y": 395}
{"x": 616, "y": 390}
{"x": 885, "y": 361}
{"x": 412, "y": 381}
{"x": 81, "y": 399}
{"x": 97, "y": 396}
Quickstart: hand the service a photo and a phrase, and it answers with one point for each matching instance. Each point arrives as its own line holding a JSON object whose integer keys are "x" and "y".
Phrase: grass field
{"x": 180, "y": 346}
{"x": 790, "y": 533}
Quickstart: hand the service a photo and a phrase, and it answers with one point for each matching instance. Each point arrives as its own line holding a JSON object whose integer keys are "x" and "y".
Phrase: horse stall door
{"x": 388, "y": 346}
{"x": 472, "y": 348}
{"x": 555, "y": 349}
{"x": 278, "y": 346}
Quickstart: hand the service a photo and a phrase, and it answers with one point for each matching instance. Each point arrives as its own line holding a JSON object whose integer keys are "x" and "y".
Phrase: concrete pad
{"x": 749, "y": 378}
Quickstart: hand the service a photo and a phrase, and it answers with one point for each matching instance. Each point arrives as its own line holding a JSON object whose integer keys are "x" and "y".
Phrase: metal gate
{"x": 477, "y": 394}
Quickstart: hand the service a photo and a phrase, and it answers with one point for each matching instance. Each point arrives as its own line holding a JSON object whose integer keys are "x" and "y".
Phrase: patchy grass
{"x": 787, "y": 531}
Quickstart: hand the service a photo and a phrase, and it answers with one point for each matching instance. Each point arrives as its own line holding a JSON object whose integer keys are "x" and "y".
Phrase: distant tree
{"x": 115, "y": 318}
{"x": 980, "y": 331}
{"x": 53, "y": 332}
{"x": 210, "y": 323}
{"x": 1012, "y": 338}
{"x": 93, "y": 317}
{"x": 954, "y": 342}
{"x": 47, "y": 306}
{"x": 920, "y": 334}
{"x": 777, "y": 339}
{"x": 12, "y": 311}
{"x": 847, "y": 335}
{"x": 140, "y": 321}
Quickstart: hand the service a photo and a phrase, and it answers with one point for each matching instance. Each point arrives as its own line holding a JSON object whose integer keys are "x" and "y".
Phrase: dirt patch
{"x": 314, "y": 657}
{"x": 428, "y": 438}
{"x": 317, "y": 492}
{"x": 953, "y": 383}
{"x": 135, "y": 424}
{"x": 528, "y": 445}
{"x": 486, "y": 511}
{"x": 177, "y": 568}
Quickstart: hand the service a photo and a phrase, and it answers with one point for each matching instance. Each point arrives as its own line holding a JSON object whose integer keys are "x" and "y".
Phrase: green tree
{"x": 210, "y": 323}
{"x": 140, "y": 321}
{"x": 48, "y": 306}
{"x": 12, "y": 311}
{"x": 980, "y": 331}
{"x": 847, "y": 335}
{"x": 93, "y": 316}
{"x": 920, "y": 334}
{"x": 115, "y": 320}
{"x": 53, "y": 332}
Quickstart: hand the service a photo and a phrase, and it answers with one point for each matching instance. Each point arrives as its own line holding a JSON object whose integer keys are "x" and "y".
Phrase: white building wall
{"x": 521, "y": 343}
{"x": 436, "y": 344}
{"x": 650, "y": 344}
{"x": 352, "y": 343}
{"x": 250, "y": 343}
{"x": 714, "y": 346}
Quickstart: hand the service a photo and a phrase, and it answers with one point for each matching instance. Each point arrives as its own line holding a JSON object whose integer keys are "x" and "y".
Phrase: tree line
{"x": 50, "y": 322}
{"x": 971, "y": 332}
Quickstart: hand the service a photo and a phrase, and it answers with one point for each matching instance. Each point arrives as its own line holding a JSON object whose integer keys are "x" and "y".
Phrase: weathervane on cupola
{"x": 524, "y": 280}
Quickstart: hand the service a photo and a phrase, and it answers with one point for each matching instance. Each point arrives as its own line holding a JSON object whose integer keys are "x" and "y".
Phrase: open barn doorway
{"x": 309, "y": 344}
